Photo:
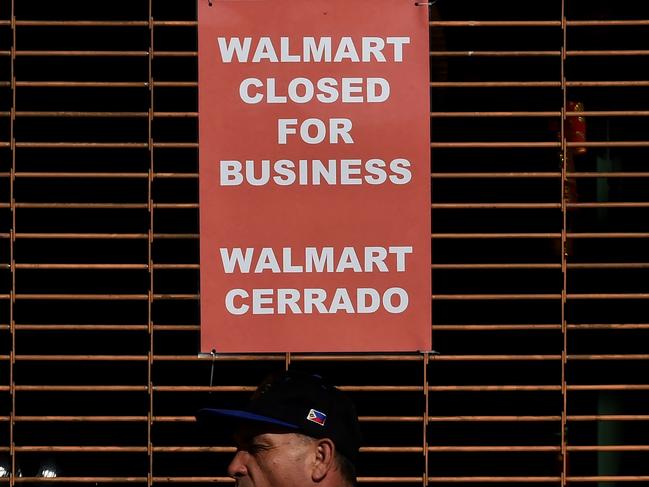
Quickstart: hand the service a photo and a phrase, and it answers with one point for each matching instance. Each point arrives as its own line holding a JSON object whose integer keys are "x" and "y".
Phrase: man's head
{"x": 295, "y": 431}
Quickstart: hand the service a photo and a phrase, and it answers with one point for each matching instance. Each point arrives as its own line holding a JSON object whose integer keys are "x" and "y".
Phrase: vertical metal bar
{"x": 425, "y": 421}
{"x": 150, "y": 250}
{"x": 432, "y": 303}
{"x": 564, "y": 250}
{"x": 12, "y": 231}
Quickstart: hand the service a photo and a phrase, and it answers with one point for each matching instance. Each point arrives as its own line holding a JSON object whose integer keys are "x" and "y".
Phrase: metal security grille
{"x": 539, "y": 207}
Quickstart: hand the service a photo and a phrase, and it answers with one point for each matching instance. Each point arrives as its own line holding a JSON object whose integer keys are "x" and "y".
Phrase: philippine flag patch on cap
{"x": 317, "y": 417}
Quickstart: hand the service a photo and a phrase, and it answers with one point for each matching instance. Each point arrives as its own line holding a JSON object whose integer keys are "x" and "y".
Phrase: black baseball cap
{"x": 300, "y": 402}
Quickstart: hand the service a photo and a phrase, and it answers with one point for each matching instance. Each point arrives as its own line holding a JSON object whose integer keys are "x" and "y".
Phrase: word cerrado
{"x": 361, "y": 300}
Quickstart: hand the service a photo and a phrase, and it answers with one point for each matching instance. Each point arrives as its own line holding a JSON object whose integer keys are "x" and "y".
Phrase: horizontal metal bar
{"x": 493, "y": 448}
{"x": 101, "y": 23}
{"x": 391, "y": 449}
{"x": 500, "y": 480}
{"x": 610, "y": 113}
{"x": 486, "y": 357}
{"x": 84, "y": 388}
{"x": 174, "y": 114}
{"x": 603, "y": 84}
{"x": 494, "y": 266}
{"x": 82, "y": 145}
{"x": 378, "y": 388}
{"x": 404, "y": 357}
{"x": 605, "y": 23}
{"x": 175, "y": 175}
{"x": 609, "y": 52}
{"x": 100, "y": 236}
{"x": 82, "y": 23}
{"x": 176, "y": 327}
{"x": 104, "y": 145}
{"x": 220, "y": 358}
{"x": 194, "y": 449}
{"x": 168, "y": 480}
{"x": 101, "y": 175}
{"x": 404, "y": 480}
{"x": 85, "y": 419}
{"x": 608, "y": 326}
{"x": 610, "y": 204}
{"x": 529, "y": 327}
{"x": 494, "y": 23}
{"x": 629, "y": 356}
{"x": 108, "y": 266}
{"x": 99, "y": 449}
{"x": 79, "y": 480}
{"x": 495, "y": 206}
{"x": 494, "y": 235}
{"x": 625, "y": 143}
{"x": 96, "y": 327}
{"x": 608, "y": 296}
{"x": 608, "y": 478}
{"x": 493, "y": 114}
{"x": 175, "y": 145}
{"x": 104, "y": 297}
{"x": 607, "y": 174}
{"x": 612, "y": 235}
{"x": 82, "y": 84}
{"x": 83, "y": 297}
{"x": 103, "y": 84}
{"x": 175, "y": 84}
{"x": 106, "y": 53}
{"x": 125, "y": 206}
{"x": 175, "y": 23}
{"x": 203, "y": 388}
{"x": 383, "y": 357}
{"x": 30, "y": 114}
{"x": 81, "y": 358}
{"x": 175, "y": 266}
{"x": 500, "y": 388}
{"x": 495, "y": 357}
{"x": 496, "y": 84}
{"x": 494, "y": 297}
{"x": 495, "y": 53}
{"x": 82, "y": 266}
{"x": 615, "y": 265}
{"x": 499, "y": 145}
{"x": 609, "y": 448}
{"x": 103, "y": 53}
{"x": 494, "y": 175}
{"x": 609, "y": 387}
{"x": 492, "y": 419}
{"x": 362, "y": 419}
{"x": 608, "y": 417}
{"x": 175, "y": 53}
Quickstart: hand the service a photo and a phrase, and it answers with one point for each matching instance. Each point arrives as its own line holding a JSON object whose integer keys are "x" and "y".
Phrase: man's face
{"x": 271, "y": 457}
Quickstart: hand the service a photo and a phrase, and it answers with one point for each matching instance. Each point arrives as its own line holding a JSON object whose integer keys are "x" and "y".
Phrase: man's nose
{"x": 237, "y": 467}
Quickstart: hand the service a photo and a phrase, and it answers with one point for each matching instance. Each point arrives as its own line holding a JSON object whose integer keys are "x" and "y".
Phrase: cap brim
{"x": 212, "y": 415}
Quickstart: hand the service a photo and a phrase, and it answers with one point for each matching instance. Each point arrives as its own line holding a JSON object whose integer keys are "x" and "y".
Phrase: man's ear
{"x": 325, "y": 452}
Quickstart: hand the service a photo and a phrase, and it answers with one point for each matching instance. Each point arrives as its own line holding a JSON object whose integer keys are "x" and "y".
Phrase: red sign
{"x": 314, "y": 175}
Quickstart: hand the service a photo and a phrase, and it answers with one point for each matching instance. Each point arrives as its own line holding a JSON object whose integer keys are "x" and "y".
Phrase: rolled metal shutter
{"x": 539, "y": 373}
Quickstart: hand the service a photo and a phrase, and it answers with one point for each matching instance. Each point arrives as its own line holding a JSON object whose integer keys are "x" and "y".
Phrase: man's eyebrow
{"x": 246, "y": 438}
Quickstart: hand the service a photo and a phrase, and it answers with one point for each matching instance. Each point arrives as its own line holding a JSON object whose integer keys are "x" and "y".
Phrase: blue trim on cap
{"x": 244, "y": 416}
